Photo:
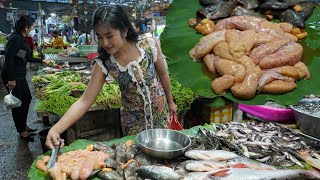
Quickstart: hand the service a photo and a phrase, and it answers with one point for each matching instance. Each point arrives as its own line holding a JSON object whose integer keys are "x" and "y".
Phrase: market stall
{"x": 233, "y": 150}
{"x": 208, "y": 152}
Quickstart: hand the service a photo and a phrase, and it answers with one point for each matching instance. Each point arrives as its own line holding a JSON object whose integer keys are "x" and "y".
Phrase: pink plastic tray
{"x": 268, "y": 113}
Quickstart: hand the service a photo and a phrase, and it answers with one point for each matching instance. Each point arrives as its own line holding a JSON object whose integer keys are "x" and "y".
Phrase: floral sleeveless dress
{"x": 144, "y": 104}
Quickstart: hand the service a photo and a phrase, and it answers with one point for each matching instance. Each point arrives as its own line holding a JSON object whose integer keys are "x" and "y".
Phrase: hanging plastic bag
{"x": 10, "y": 101}
{"x": 174, "y": 122}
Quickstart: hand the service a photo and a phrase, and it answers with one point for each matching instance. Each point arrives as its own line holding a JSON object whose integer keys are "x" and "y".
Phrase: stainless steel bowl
{"x": 163, "y": 143}
{"x": 307, "y": 122}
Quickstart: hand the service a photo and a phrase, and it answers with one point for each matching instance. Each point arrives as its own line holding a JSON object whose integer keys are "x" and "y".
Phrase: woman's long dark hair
{"x": 117, "y": 18}
{"x": 23, "y": 22}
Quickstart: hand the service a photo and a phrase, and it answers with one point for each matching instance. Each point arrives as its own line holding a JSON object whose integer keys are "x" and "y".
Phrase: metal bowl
{"x": 163, "y": 143}
{"x": 308, "y": 123}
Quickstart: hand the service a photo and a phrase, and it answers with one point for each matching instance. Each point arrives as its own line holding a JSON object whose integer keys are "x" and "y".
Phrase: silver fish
{"x": 197, "y": 176}
{"x": 248, "y": 163}
{"x": 154, "y": 172}
{"x": 215, "y": 155}
{"x": 204, "y": 166}
{"x": 251, "y": 174}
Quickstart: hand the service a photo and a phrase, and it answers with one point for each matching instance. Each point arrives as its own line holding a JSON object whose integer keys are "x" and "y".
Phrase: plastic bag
{"x": 174, "y": 122}
{"x": 10, "y": 101}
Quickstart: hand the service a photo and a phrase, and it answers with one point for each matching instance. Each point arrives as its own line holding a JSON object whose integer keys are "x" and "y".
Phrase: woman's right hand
{"x": 53, "y": 139}
{"x": 11, "y": 84}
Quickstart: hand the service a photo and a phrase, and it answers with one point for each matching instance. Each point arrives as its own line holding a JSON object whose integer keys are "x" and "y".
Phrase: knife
{"x": 54, "y": 155}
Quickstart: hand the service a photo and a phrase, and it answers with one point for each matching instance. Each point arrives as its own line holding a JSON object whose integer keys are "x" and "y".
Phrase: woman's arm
{"x": 12, "y": 49}
{"x": 161, "y": 68}
{"x": 79, "y": 108}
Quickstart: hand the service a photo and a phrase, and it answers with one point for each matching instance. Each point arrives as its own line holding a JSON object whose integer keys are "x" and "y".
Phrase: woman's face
{"x": 109, "y": 39}
{"x": 29, "y": 29}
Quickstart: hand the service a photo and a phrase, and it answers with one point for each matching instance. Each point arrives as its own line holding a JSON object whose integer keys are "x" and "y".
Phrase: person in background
{"x": 57, "y": 41}
{"x": 82, "y": 40}
{"x": 138, "y": 65}
{"x": 18, "y": 52}
{"x": 147, "y": 24}
{"x": 93, "y": 37}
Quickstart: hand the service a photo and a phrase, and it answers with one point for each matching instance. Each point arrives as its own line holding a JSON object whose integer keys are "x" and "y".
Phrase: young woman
{"x": 137, "y": 63}
{"x": 17, "y": 53}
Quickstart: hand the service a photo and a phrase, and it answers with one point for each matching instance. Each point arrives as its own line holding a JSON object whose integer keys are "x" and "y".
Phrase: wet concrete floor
{"x": 16, "y": 154}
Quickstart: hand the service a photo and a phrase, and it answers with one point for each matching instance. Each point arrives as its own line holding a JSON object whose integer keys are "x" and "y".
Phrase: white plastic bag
{"x": 10, "y": 101}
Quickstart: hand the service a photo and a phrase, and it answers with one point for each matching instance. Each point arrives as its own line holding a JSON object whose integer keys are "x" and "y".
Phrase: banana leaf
{"x": 35, "y": 174}
{"x": 178, "y": 38}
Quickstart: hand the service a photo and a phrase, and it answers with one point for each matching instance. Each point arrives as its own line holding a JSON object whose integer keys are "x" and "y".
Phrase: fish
{"x": 99, "y": 146}
{"x": 204, "y": 165}
{"x": 155, "y": 172}
{"x": 307, "y": 9}
{"x": 241, "y": 11}
{"x": 290, "y": 16}
{"x": 130, "y": 169}
{"x": 249, "y": 4}
{"x": 132, "y": 151}
{"x": 110, "y": 175}
{"x": 120, "y": 154}
{"x": 245, "y": 173}
{"x": 197, "y": 176}
{"x": 214, "y": 155}
{"x": 111, "y": 163}
{"x": 209, "y": 2}
{"x": 248, "y": 163}
{"x": 218, "y": 10}
{"x": 276, "y": 5}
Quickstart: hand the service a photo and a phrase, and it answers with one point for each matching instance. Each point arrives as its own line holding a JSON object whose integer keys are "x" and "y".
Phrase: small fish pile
{"x": 264, "y": 142}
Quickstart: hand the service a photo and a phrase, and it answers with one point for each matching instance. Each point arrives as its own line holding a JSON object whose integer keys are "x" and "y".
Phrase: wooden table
{"x": 97, "y": 124}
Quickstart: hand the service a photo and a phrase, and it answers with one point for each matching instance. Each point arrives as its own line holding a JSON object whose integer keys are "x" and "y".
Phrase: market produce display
{"x": 199, "y": 79}
{"x": 58, "y": 91}
{"x": 217, "y": 151}
{"x": 252, "y": 54}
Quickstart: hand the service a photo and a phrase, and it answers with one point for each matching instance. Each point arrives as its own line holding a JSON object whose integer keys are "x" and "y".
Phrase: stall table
{"x": 97, "y": 124}
{"x": 72, "y": 60}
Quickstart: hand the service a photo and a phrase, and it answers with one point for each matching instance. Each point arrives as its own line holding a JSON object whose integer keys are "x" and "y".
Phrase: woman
{"x": 136, "y": 63}
{"x": 18, "y": 52}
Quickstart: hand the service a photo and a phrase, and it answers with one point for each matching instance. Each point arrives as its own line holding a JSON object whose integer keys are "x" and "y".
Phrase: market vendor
{"x": 57, "y": 41}
{"x": 18, "y": 52}
{"x": 138, "y": 65}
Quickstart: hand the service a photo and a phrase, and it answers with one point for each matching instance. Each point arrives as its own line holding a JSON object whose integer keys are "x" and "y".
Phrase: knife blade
{"x": 54, "y": 155}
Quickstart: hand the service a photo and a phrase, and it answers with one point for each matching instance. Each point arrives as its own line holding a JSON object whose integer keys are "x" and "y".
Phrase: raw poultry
{"x": 260, "y": 55}
{"x": 77, "y": 164}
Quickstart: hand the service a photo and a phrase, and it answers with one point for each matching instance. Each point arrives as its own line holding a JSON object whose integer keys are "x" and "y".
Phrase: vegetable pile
{"x": 57, "y": 92}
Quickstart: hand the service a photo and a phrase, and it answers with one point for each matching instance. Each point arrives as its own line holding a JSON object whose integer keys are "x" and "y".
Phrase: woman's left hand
{"x": 172, "y": 108}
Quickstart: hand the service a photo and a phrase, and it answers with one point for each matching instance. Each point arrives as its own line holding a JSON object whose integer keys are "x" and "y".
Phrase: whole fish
{"x": 197, "y": 176}
{"x": 248, "y": 163}
{"x": 249, "y": 4}
{"x": 218, "y": 10}
{"x": 214, "y": 155}
{"x": 110, "y": 175}
{"x": 204, "y": 166}
{"x": 251, "y": 174}
{"x": 154, "y": 172}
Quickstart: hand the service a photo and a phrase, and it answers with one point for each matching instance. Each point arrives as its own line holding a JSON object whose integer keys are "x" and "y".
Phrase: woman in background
{"x": 18, "y": 52}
